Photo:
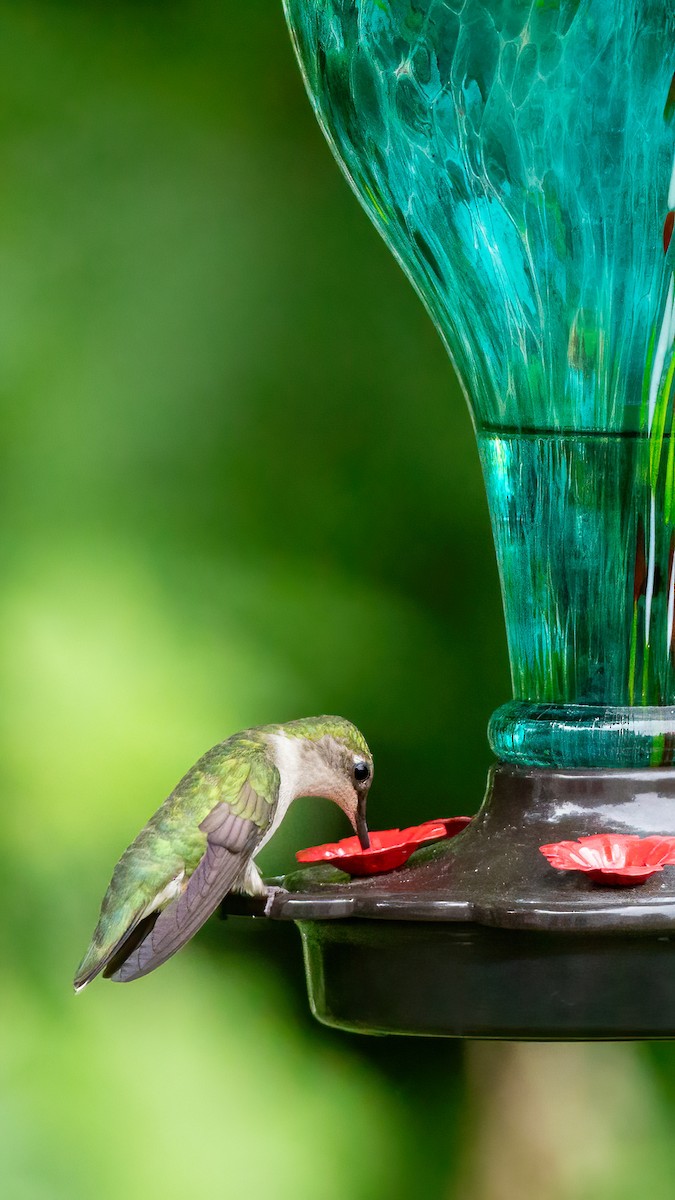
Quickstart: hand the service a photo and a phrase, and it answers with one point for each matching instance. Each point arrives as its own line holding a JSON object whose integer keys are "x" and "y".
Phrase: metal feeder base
{"x": 466, "y": 980}
{"x": 480, "y": 937}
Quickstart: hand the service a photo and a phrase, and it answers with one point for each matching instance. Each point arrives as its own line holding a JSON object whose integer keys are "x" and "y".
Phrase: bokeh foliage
{"x": 238, "y": 485}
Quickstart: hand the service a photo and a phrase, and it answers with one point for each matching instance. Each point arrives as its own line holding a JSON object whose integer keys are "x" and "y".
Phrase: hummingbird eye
{"x": 361, "y": 772}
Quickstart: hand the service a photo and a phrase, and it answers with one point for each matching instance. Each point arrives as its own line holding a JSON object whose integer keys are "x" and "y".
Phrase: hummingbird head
{"x": 334, "y": 761}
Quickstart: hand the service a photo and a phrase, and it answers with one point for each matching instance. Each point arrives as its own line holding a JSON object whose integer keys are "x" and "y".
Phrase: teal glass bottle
{"x": 518, "y": 158}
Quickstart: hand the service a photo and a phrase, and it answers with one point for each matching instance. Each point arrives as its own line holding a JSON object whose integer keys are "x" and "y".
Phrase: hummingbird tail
{"x": 106, "y": 961}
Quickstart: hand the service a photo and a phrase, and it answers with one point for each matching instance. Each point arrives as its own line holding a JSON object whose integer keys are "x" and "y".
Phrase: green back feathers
{"x": 220, "y": 777}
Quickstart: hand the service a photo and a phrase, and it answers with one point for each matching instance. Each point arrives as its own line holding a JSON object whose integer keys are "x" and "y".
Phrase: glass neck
{"x": 585, "y": 544}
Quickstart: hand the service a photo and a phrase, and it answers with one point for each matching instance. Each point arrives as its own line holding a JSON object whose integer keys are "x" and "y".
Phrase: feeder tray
{"x": 480, "y": 937}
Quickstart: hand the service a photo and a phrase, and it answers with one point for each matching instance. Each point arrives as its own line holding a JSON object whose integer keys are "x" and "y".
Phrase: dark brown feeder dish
{"x": 480, "y": 937}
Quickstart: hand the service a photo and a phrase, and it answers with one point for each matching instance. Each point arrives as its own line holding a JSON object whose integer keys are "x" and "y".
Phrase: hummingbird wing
{"x": 230, "y": 842}
{"x": 236, "y": 779}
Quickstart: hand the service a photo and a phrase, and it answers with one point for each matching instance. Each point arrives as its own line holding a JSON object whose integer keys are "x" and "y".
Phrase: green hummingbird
{"x": 202, "y": 842}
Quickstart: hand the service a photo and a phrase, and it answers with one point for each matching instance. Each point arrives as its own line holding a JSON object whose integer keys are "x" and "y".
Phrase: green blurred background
{"x": 238, "y": 485}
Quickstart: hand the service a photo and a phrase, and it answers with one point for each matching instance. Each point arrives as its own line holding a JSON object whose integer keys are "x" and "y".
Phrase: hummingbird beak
{"x": 361, "y": 826}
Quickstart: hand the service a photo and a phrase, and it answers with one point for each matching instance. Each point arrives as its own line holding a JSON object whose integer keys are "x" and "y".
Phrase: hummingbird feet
{"x": 271, "y": 894}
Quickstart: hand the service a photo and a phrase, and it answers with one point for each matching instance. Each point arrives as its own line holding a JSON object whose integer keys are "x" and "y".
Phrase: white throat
{"x": 290, "y": 759}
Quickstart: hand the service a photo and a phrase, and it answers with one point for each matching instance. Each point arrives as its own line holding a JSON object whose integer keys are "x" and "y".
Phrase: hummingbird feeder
{"x": 518, "y": 159}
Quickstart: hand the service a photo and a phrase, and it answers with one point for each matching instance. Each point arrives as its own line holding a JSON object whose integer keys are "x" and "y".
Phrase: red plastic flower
{"x": 613, "y": 858}
{"x": 389, "y": 848}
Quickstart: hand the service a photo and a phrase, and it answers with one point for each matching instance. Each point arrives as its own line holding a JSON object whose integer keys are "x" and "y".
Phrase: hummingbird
{"x": 202, "y": 842}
